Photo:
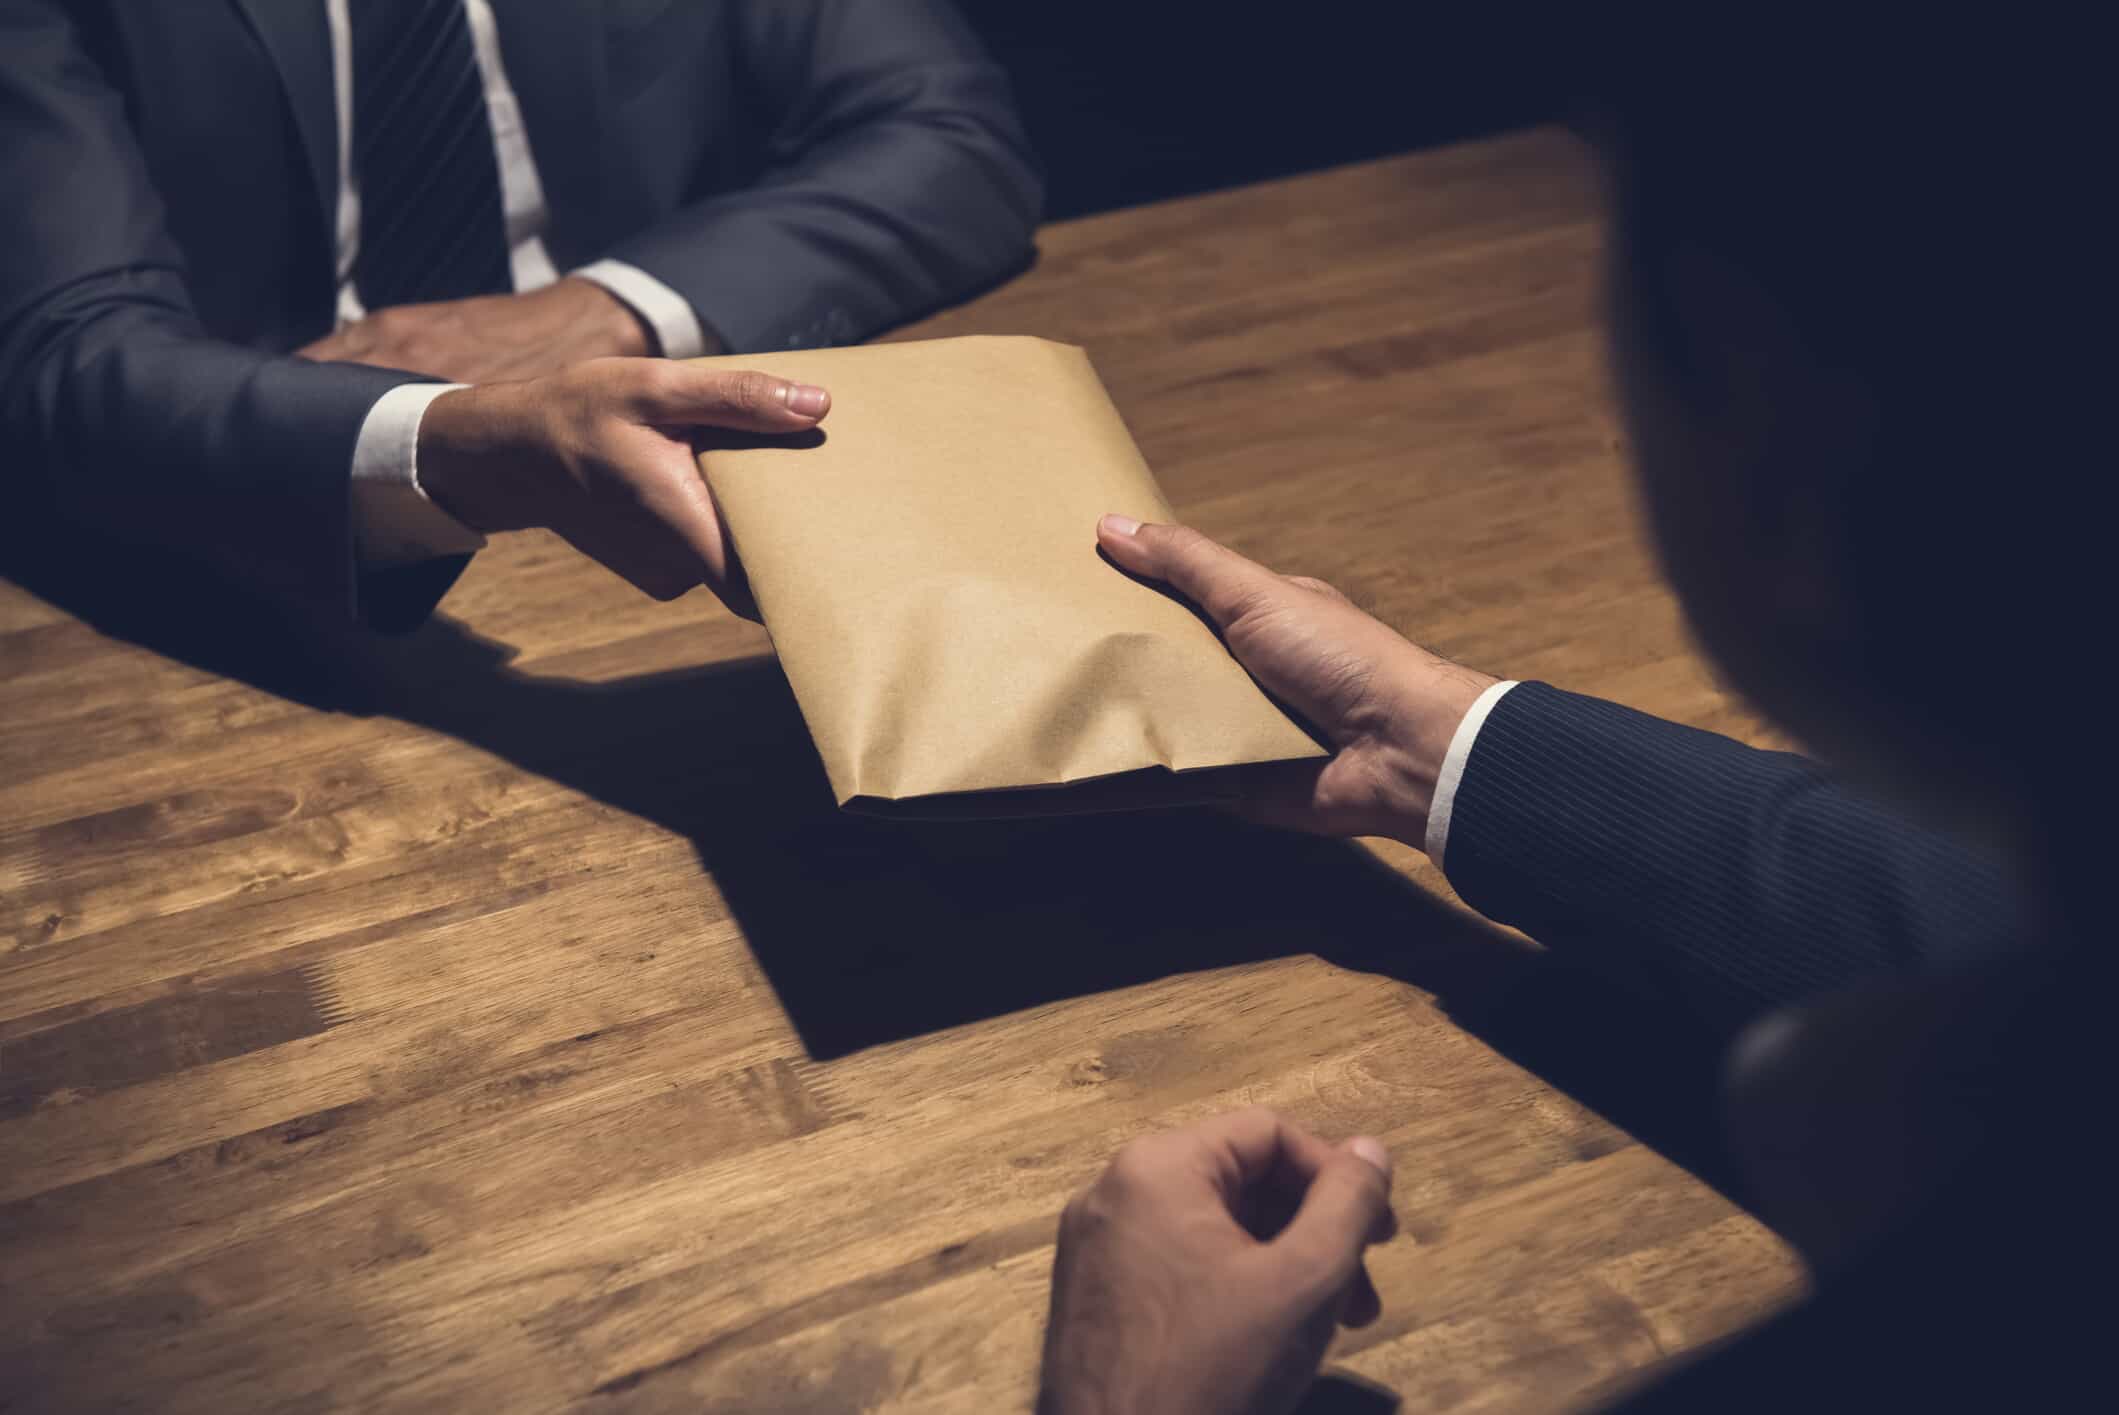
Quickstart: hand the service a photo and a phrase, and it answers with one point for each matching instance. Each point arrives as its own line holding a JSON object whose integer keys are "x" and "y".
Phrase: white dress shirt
{"x": 393, "y": 521}
{"x": 1452, "y": 774}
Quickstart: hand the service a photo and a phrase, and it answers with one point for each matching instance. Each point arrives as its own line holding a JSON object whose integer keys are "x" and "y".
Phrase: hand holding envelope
{"x": 928, "y": 569}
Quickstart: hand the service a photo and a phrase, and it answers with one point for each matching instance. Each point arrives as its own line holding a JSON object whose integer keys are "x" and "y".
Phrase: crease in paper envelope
{"x": 928, "y": 572}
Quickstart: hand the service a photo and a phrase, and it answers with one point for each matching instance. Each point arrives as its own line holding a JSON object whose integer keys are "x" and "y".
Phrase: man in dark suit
{"x": 250, "y": 245}
{"x": 1841, "y": 336}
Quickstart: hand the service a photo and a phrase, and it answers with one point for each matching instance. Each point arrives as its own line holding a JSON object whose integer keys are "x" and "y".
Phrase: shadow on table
{"x": 871, "y": 931}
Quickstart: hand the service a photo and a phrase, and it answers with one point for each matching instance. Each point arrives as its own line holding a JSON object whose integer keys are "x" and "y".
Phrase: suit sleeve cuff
{"x": 1452, "y": 774}
{"x": 393, "y": 521}
{"x": 678, "y": 333}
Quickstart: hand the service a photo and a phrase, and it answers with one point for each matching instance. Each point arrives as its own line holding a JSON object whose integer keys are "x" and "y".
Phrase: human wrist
{"x": 609, "y": 323}
{"x": 473, "y": 443}
{"x": 1429, "y": 697}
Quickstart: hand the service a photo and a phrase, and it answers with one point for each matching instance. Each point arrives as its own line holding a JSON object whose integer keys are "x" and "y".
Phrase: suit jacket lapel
{"x": 295, "y": 34}
{"x": 553, "y": 50}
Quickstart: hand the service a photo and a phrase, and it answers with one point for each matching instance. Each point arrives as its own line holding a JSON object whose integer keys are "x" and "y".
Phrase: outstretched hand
{"x": 1387, "y": 706}
{"x": 602, "y": 454}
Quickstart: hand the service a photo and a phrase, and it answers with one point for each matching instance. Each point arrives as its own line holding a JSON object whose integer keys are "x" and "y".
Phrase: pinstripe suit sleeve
{"x": 119, "y": 410}
{"x": 1732, "y": 878}
{"x": 897, "y": 178}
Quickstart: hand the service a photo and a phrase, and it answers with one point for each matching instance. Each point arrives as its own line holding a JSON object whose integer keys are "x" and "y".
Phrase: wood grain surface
{"x": 501, "y": 1017}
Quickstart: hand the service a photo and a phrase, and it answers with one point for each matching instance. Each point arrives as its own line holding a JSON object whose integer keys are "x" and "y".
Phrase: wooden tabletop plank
{"x": 502, "y": 1017}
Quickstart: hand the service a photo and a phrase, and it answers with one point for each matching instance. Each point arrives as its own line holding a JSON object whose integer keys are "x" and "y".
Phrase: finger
{"x": 1335, "y": 796}
{"x": 674, "y": 496}
{"x": 1361, "y": 1303}
{"x": 1348, "y": 1207}
{"x": 743, "y": 400}
{"x": 1265, "y": 1165}
{"x": 1305, "y": 1158}
{"x": 1211, "y": 575}
{"x": 1281, "y": 794}
{"x": 683, "y": 507}
{"x": 645, "y": 555}
{"x": 735, "y": 592}
{"x": 1245, "y": 1149}
{"x": 734, "y": 586}
{"x": 709, "y": 554}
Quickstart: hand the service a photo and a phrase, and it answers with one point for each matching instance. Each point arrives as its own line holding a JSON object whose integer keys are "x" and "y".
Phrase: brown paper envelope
{"x": 927, "y": 567}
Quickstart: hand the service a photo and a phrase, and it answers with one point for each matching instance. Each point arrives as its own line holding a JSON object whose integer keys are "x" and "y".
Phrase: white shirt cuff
{"x": 1452, "y": 775}
{"x": 393, "y": 521}
{"x": 678, "y": 334}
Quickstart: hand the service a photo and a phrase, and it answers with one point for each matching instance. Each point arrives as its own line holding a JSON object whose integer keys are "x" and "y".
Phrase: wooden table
{"x": 502, "y": 1018}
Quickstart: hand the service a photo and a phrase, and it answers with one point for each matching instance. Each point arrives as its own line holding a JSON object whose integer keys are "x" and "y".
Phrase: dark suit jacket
{"x": 1735, "y": 882}
{"x": 804, "y": 172}
{"x": 1728, "y": 879}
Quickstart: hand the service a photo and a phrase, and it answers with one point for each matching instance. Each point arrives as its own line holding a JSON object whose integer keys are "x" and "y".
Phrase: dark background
{"x": 1129, "y": 103}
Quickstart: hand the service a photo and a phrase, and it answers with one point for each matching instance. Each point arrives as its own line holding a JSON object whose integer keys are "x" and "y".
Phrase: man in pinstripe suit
{"x": 1848, "y": 394}
{"x": 321, "y": 292}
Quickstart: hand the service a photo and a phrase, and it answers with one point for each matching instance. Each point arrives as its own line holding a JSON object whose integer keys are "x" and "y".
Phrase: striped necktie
{"x": 431, "y": 222}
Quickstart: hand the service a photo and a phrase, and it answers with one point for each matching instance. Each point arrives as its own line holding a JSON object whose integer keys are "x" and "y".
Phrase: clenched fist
{"x": 1205, "y": 1272}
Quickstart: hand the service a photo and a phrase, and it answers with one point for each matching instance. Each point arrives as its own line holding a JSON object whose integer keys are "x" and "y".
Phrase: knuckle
{"x": 1128, "y": 1160}
{"x": 1256, "y": 1123}
{"x": 1368, "y": 1183}
{"x": 1196, "y": 564}
{"x": 1324, "y": 588}
{"x": 1131, "y": 1167}
{"x": 754, "y": 392}
{"x": 1087, "y": 1220}
{"x": 659, "y": 382}
{"x": 1183, "y": 542}
{"x": 1367, "y": 1200}
{"x": 1229, "y": 603}
{"x": 1327, "y": 1259}
{"x": 1320, "y": 1276}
